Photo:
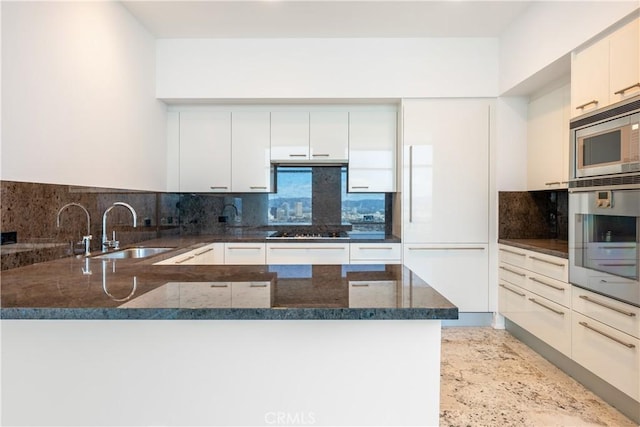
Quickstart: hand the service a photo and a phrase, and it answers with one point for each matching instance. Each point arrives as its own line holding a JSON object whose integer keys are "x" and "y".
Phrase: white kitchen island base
{"x": 221, "y": 372}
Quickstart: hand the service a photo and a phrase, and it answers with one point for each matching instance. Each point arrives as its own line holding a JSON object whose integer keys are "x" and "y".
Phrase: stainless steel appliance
{"x": 604, "y": 203}
{"x": 607, "y": 142}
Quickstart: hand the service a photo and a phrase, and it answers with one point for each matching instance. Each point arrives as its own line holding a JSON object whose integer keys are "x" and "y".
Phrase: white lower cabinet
{"x": 210, "y": 254}
{"x": 375, "y": 253}
{"x": 607, "y": 352}
{"x": 307, "y": 253}
{"x": 245, "y": 253}
{"x": 373, "y": 294}
{"x": 459, "y": 272}
{"x": 251, "y": 295}
{"x": 535, "y": 294}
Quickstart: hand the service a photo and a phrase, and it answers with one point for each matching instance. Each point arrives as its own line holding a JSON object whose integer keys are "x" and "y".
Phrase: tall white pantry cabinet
{"x": 445, "y": 219}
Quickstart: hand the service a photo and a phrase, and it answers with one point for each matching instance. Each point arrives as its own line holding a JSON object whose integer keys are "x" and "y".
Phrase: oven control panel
{"x": 604, "y": 199}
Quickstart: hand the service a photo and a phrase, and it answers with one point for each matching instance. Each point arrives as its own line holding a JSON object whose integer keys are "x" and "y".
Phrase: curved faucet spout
{"x": 106, "y": 243}
{"x": 81, "y": 207}
{"x": 86, "y": 239}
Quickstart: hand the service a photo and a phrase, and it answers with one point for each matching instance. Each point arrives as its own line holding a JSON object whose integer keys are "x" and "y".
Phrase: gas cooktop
{"x": 309, "y": 235}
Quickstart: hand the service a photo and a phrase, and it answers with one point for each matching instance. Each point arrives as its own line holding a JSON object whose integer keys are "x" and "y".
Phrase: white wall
{"x": 326, "y": 68}
{"x": 548, "y": 30}
{"x": 78, "y": 97}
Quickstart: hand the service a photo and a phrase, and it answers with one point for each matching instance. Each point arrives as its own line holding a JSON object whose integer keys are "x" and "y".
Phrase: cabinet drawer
{"x": 377, "y": 294}
{"x": 388, "y": 253}
{"x": 244, "y": 253}
{"x": 547, "y": 265}
{"x": 610, "y": 354}
{"x": 512, "y": 274}
{"x": 512, "y": 302}
{"x": 251, "y": 295}
{"x": 308, "y": 253}
{"x": 513, "y": 256}
{"x": 550, "y": 322}
{"x": 551, "y": 289}
{"x": 616, "y": 314}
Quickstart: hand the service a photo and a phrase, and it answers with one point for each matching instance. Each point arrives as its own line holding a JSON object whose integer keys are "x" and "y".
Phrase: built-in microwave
{"x": 608, "y": 147}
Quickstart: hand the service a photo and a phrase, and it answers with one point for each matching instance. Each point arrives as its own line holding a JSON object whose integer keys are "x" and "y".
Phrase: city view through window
{"x": 292, "y": 204}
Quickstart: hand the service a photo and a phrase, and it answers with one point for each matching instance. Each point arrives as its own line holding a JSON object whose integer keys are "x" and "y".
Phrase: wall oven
{"x": 604, "y": 205}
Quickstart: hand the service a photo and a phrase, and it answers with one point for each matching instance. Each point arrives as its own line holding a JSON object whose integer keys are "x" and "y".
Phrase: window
{"x": 292, "y": 203}
{"x": 298, "y": 190}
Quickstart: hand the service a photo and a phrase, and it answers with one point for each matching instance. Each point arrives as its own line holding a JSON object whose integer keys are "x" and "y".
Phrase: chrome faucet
{"x": 113, "y": 243}
{"x": 86, "y": 239}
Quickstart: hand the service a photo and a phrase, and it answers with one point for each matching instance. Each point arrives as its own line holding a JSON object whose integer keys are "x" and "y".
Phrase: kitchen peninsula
{"x": 254, "y": 343}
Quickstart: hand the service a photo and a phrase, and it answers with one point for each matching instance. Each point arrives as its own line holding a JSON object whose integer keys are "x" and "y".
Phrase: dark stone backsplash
{"x": 533, "y": 215}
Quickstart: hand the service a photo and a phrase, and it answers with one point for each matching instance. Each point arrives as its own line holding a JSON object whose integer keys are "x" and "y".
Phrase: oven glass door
{"x": 610, "y": 244}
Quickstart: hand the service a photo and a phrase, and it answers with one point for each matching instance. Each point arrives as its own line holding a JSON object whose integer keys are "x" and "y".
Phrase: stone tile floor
{"x": 489, "y": 378}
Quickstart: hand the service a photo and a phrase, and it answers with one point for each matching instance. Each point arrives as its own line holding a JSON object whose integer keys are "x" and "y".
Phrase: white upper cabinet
{"x": 251, "y": 170}
{"x": 607, "y": 71}
{"x": 372, "y": 151}
{"x": 205, "y": 151}
{"x": 289, "y": 135}
{"x": 624, "y": 65}
{"x": 329, "y": 136}
{"x": 548, "y": 140}
{"x": 446, "y": 170}
{"x": 316, "y": 136}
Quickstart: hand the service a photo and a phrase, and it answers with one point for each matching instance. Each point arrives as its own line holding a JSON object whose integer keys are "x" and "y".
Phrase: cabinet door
{"x": 590, "y": 78}
{"x": 446, "y": 171}
{"x": 210, "y": 254}
{"x": 244, "y": 253}
{"x": 307, "y": 253}
{"x": 369, "y": 253}
{"x": 548, "y": 140}
{"x": 251, "y": 295}
{"x": 250, "y": 154}
{"x": 460, "y": 273}
{"x": 329, "y": 135}
{"x": 289, "y": 135}
{"x": 205, "y": 151}
{"x": 372, "y": 151}
{"x": 624, "y": 65}
{"x": 373, "y": 294}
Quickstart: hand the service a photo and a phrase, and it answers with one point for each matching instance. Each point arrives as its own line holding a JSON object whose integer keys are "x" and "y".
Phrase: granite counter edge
{"x": 534, "y": 248}
{"x": 229, "y": 314}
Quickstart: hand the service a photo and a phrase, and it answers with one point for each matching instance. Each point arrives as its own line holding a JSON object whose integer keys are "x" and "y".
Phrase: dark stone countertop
{"x": 554, "y": 247}
{"x": 91, "y": 288}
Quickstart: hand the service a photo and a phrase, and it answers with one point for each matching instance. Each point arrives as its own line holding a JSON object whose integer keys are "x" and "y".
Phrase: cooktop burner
{"x": 309, "y": 235}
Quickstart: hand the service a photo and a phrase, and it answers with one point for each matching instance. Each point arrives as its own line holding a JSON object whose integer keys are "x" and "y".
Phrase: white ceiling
{"x": 325, "y": 18}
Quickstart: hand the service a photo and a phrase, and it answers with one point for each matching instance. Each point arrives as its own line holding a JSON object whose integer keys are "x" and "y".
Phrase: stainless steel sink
{"x": 132, "y": 253}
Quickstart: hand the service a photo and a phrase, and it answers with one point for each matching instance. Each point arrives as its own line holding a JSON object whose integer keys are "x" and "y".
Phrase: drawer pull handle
{"x": 219, "y": 286}
{"x": 553, "y": 183}
{"x": 254, "y": 248}
{"x": 557, "y": 288}
{"x": 512, "y": 271}
{"x": 558, "y": 264}
{"x": 204, "y": 252}
{"x": 512, "y": 290}
{"x": 308, "y": 247}
{"x": 258, "y": 285}
{"x": 604, "y": 334}
{"x": 581, "y": 107}
{"x": 375, "y": 248}
{"x": 470, "y": 248}
{"x": 186, "y": 259}
{"x": 512, "y": 252}
{"x": 258, "y": 188}
{"x": 320, "y": 155}
{"x": 622, "y": 91}
{"x": 617, "y": 247}
{"x": 357, "y": 187}
{"x": 219, "y": 187}
{"x": 533, "y": 300}
{"x": 297, "y": 155}
{"x": 362, "y": 285}
{"x": 605, "y": 305}
{"x": 618, "y": 264}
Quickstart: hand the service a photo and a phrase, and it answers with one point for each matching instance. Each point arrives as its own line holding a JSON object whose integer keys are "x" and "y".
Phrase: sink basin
{"x": 133, "y": 253}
